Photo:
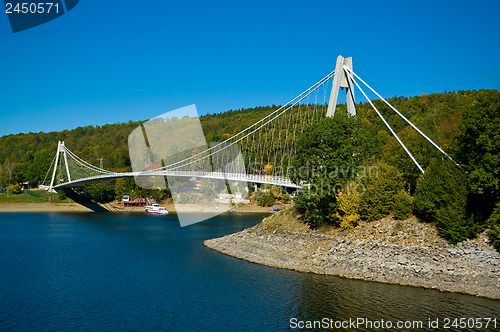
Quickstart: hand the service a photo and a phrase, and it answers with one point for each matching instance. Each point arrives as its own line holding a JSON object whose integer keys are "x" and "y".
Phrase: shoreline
{"x": 42, "y": 207}
{"x": 75, "y": 207}
{"x": 404, "y": 253}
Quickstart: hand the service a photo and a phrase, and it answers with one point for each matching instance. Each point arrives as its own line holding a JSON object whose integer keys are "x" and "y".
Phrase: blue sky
{"x": 115, "y": 61}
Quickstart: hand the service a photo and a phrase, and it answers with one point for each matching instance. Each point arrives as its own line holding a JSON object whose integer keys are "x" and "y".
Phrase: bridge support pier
{"x": 342, "y": 80}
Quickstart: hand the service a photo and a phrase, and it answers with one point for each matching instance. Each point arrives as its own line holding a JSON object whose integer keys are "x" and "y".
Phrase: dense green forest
{"x": 466, "y": 124}
{"x": 462, "y": 200}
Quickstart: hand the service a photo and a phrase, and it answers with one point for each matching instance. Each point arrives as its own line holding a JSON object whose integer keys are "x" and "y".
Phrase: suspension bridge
{"x": 264, "y": 149}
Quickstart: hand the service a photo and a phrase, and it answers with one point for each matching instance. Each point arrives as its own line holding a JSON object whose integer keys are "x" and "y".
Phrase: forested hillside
{"x": 459, "y": 199}
{"x": 466, "y": 124}
{"x": 27, "y": 157}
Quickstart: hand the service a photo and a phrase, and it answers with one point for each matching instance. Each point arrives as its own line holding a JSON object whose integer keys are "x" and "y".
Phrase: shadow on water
{"x": 82, "y": 200}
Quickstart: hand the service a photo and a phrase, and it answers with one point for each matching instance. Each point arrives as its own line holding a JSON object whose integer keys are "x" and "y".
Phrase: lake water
{"x": 136, "y": 272}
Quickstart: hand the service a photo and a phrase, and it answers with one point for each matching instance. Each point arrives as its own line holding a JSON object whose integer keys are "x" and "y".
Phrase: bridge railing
{"x": 242, "y": 177}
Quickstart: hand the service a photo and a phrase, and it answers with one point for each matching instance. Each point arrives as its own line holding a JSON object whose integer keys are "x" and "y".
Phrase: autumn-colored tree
{"x": 348, "y": 206}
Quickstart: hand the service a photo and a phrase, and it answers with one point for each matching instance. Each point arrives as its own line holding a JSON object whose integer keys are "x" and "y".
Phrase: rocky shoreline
{"x": 399, "y": 252}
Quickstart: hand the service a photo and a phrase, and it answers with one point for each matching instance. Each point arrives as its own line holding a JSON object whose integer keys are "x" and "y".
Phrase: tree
{"x": 403, "y": 205}
{"x": 329, "y": 150}
{"x": 348, "y": 207}
{"x": 22, "y": 171}
{"x": 265, "y": 199}
{"x": 123, "y": 186}
{"x": 10, "y": 168}
{"x": 480, "y": 151}
{"x": 494, "y": 232}
{"x": 40, "y": 165}
{"x": 317, "y": 208}
{"x": 329, "y": 154}
{"x": 441, "y": 197}
{"x": 14, "y": 189}
{"x": 381, "y": 188}
{"x": 101, "y": 192}
{"x": 61, "y": 195}
{"x": 4, "y": 177}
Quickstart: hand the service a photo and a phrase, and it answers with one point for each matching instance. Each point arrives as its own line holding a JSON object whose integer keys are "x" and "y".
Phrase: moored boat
{"x": 156, "y": 209}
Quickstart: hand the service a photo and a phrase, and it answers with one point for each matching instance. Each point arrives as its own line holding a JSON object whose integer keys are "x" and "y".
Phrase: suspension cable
{"x": 241, "y": 138}
{"x": 52, "y": 163}
{"x": 404, "y": 118}
{"x": 291, "y": 102}
{"x": 86, "y": 164}
{"x": 388, "y": 126}
{"x": 273, "y": 115}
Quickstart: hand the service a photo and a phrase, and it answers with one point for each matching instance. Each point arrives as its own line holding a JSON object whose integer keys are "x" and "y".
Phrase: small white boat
{"x": 157, "y": 209}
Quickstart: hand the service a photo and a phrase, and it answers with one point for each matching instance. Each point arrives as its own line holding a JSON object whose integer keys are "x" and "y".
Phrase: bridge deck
{"x": 252, "y": 178}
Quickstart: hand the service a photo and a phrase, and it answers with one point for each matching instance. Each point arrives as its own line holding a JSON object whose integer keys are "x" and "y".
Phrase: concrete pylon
{"x": 60, "y": 149}
{"x": 342, "y": 80}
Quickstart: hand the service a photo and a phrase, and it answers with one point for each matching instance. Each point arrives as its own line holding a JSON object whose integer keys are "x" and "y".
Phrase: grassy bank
{"x": 29, "y": 196}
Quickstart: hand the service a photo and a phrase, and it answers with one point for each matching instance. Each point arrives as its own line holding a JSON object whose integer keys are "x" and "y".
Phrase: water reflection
{"x": 343, "y": 299}
{"x": 137, "y": 272}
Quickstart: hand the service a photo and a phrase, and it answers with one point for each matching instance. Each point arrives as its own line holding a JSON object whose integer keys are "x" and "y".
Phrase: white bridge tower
{"x": 344, "y": 81}
{"x": 61, "y": 149}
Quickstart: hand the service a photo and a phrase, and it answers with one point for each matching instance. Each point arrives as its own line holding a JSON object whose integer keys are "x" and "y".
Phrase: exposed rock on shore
{"x": 400, "y": 252}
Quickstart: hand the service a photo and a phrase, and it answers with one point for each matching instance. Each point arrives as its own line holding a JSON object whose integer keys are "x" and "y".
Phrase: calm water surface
{"x": 141, "y": 272}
